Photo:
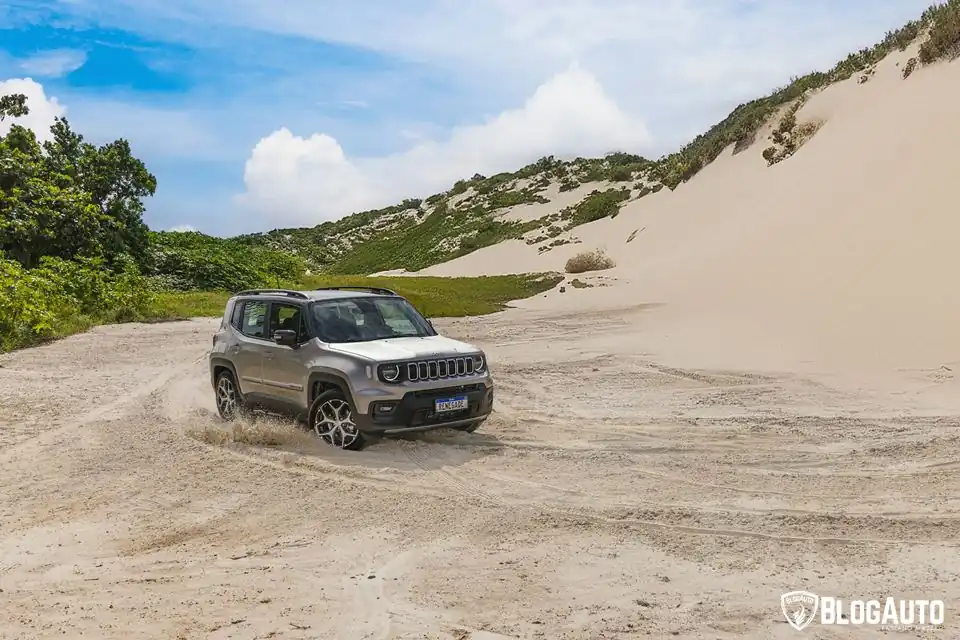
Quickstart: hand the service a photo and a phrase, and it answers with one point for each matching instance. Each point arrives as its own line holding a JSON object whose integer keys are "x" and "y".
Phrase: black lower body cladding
{"x": 417, "y": 410}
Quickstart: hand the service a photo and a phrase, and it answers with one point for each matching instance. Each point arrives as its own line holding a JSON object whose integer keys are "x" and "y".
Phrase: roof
{"x": 341, "y": 293}
{"x": 316, "y": 294}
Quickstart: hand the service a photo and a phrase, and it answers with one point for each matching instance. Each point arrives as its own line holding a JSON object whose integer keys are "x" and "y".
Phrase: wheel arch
{"x": 322, "y": 381}
{"x": 222, "y": 364}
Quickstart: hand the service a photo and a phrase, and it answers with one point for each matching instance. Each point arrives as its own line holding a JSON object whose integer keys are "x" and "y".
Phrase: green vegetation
{"x": 597, "y": 205}
{"x": 190, "y": 261}
{"x": 944, "y": 39}
{"x": 59, "y": 297}
{"x": 910, "y": 67}
{"x": 72, "y": 238}
{"x": 789, "y": 135}
{"x": 443, "y": 235}
{"x": 433, "y": 296}
{"x": 74, "y": 251}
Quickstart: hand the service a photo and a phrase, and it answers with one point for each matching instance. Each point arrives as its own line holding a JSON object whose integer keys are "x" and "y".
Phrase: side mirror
{"x": 285, "y": 337}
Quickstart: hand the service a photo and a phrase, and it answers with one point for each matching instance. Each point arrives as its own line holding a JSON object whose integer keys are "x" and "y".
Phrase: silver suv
{"x": 355, "y": 362}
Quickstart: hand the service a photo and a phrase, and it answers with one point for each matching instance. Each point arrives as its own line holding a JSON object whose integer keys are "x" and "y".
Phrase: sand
{"x": 610, "y": 496}
{"x": 761, "y": 397}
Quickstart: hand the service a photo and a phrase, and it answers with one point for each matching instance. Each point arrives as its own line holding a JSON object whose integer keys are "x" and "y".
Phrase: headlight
{"x": 479, "y": 364}
{"x": 390, "y": 372}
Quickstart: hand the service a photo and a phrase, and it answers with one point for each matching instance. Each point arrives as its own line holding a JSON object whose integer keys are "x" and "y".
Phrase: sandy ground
{"x": 612, "y": 495}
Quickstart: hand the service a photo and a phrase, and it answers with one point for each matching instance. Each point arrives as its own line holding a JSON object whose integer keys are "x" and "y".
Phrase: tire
{"x": 470, "y": 428}
{"x": 331, "y": 419}
{"x": 229, "y": 398}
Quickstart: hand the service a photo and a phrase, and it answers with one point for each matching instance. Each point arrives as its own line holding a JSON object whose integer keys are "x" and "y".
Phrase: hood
{"x": 405, "y": 348}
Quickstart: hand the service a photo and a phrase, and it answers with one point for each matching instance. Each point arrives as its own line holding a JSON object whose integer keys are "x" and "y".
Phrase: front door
{"x": 285, "y": 368}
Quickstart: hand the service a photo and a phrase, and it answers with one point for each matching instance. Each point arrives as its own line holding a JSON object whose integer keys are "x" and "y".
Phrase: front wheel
{"x": 331, "y": 419}
{"x": 470, "y": 428}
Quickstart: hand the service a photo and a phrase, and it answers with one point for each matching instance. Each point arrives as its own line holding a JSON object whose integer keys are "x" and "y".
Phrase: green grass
{"x": 181, "y": 305}
{"x": 433, "y": 296}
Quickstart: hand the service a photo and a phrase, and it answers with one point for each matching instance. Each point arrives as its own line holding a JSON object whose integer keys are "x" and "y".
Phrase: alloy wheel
{"x": 226, "y": 397}
{"x": 334, "y": 424}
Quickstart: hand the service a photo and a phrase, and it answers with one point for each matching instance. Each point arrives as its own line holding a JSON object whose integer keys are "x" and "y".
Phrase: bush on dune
{"x": 595, "y": 260}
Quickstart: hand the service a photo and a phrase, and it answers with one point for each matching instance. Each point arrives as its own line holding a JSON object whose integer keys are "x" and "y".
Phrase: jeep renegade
{"x": 355, "y": 362}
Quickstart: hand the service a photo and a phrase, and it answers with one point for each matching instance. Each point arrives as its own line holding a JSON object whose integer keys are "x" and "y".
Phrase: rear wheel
{"x": 228, "y": 396}
{"x": 331, "y": 418}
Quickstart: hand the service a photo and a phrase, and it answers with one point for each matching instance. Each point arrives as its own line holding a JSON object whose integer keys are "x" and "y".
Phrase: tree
{"x": 69, "y": 198}
{"x": 13, "y": 106}
{"x": 116, "y": 181}
{"x": 43, "y": 214}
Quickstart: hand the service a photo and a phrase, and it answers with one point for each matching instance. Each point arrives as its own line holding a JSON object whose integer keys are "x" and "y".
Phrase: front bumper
{"x": 415, "y": 411}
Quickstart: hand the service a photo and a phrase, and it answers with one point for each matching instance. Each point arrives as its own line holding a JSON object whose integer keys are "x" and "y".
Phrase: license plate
{"x": 451, "y": 404}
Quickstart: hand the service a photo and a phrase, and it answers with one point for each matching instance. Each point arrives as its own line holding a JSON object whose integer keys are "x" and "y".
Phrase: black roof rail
{"x": 281, "y": 292}
{"x": 378, "y": 290}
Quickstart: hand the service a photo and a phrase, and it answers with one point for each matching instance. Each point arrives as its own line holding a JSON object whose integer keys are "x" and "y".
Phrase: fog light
{"x": 385, "y": 408}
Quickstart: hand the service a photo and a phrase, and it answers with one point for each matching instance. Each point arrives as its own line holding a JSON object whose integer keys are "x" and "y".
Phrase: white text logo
{"x": 800, "y": 609}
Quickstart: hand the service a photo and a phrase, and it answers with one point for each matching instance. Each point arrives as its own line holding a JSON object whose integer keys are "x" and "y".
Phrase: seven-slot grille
{"x": 439, "y": 369}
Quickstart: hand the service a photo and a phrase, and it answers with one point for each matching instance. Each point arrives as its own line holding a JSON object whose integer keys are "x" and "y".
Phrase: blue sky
{"x": 257, "y": 114}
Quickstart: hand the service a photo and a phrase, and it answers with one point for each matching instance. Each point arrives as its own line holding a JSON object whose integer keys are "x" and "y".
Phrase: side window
{"x": 253, "y": 319}
{"x": 237, "y": 318}
{"x": 286, "y": 316}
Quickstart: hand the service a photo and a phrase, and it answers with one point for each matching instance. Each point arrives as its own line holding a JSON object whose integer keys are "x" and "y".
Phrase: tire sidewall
{"x": 315, "y": 407}
{"x": 239, "y": 406}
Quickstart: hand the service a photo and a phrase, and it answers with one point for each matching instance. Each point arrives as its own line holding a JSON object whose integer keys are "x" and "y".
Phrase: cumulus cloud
{"x": 295, "y": 180}
{"x": 54, "y": 63}
{"x": 42, "y": 109}
{"x": 182, "y": 228}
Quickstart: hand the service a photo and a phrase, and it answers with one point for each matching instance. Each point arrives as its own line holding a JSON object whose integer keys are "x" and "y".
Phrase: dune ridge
{"x": 840, "y": 254}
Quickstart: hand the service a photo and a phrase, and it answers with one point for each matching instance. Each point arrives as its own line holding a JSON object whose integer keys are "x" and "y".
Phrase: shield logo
{"x": 799, "y": 608}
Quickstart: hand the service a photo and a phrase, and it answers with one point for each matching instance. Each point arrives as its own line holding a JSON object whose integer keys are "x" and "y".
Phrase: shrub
{"x": 189, "y": 261}
{"x": 909, "y": 67}
{"x": 944, "y": 39}
{"x": 61, "y": 297}
{"x": 595, "y": 260}
{"x": 599, "y": 204}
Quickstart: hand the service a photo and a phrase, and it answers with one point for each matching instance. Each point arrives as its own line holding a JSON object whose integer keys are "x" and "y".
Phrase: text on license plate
{"x": 451, "y": 404}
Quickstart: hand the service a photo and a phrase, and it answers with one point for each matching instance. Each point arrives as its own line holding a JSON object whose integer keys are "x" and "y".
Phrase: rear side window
{"x": 237, "y": 316}
{"x": 253, "y": 319}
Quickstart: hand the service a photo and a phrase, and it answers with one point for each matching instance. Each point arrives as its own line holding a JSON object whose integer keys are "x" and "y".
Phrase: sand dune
{"x": 840, "y": 256}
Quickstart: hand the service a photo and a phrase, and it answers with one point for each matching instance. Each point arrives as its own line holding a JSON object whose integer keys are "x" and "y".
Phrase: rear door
{"x": 253, "y": 339}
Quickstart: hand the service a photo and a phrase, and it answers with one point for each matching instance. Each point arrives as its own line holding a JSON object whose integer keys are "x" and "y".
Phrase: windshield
{"x": 364, "y": 319}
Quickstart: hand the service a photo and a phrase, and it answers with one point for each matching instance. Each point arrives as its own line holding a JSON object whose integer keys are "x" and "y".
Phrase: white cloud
{"x": 42, "y": 109}
{"x": 182, "y": 228}
{"x": 54, "y": 63}
{"x": 295, "y": 180}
